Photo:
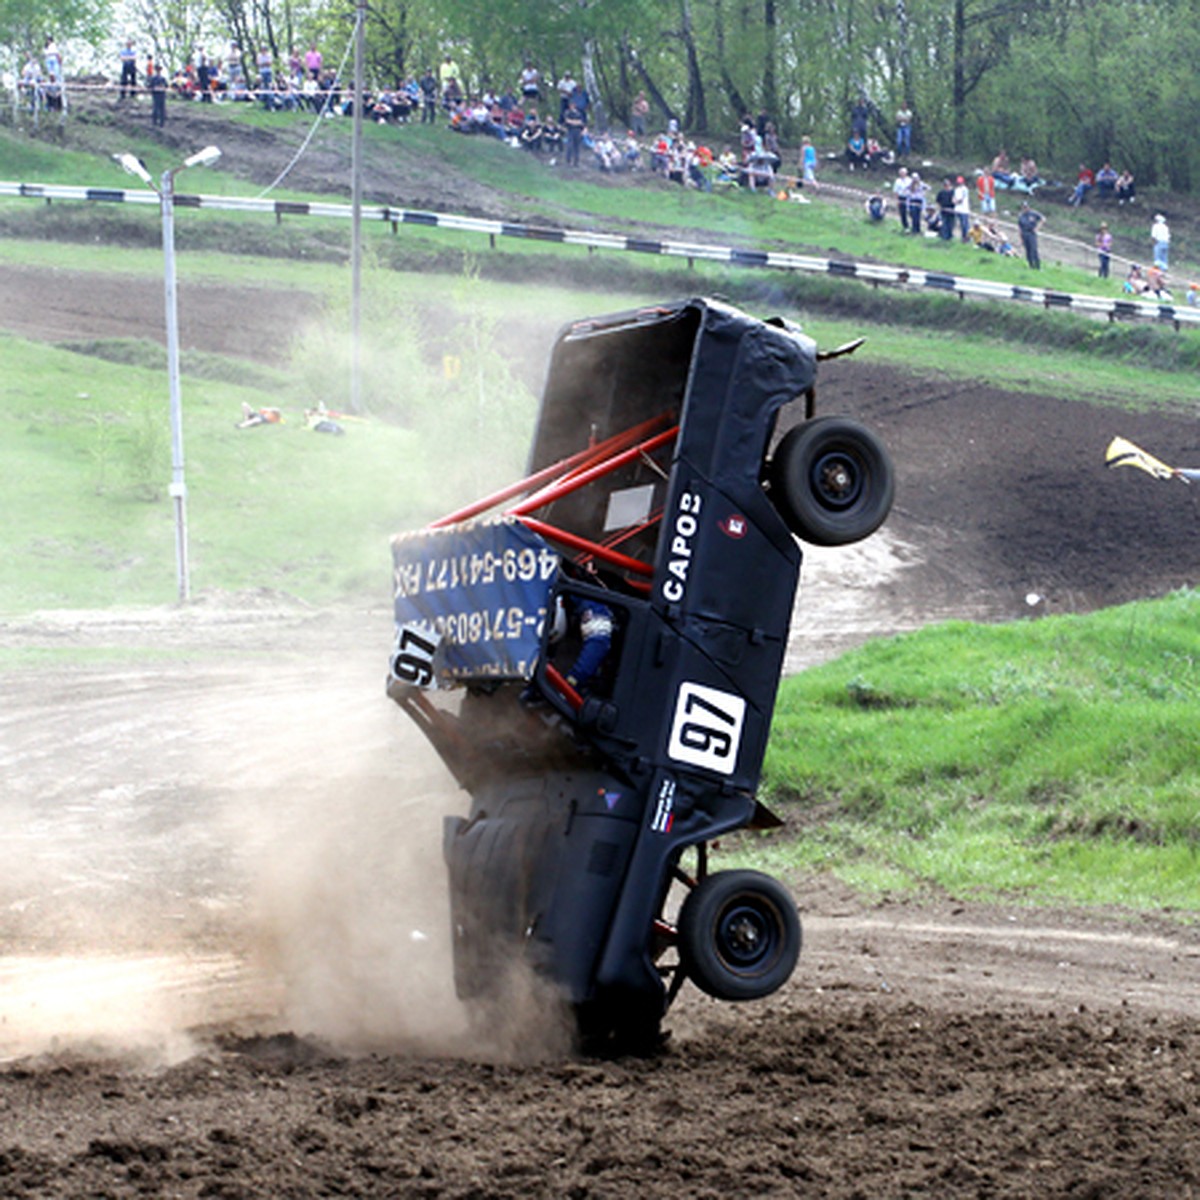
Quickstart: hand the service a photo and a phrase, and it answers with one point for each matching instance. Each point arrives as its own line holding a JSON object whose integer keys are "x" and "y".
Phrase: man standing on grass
{"x": 1029, "y": 222}
{"x": 1160, "y": 236}
{"x": 1104, "y": 243}
{"x": 573, "y": 123}
{"x": 128, "y": 70}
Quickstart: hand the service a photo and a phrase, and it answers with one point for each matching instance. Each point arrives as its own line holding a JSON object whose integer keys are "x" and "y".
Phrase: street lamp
{"x": 166, "y": 196}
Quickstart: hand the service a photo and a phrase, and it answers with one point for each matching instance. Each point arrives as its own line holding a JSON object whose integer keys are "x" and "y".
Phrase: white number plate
{"x": 412, "y": 656}
{"x": 707, "y": 729}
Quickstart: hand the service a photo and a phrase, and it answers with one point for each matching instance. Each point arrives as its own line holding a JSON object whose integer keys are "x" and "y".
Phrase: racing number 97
{"x": 707, "y": 728}
{"x": 699, "y": 735}
{"x": 412, "y": 659}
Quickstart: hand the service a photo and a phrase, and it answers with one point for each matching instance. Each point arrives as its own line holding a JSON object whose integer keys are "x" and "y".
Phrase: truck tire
{"x": 739, "y": 935}
{"x": 832, "y": 481}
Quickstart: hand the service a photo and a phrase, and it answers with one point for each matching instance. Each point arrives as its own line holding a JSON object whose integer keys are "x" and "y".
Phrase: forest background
{"x": 1064, "y": 81}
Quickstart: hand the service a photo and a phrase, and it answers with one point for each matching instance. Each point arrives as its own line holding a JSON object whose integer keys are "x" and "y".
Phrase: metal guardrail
{"x": 876, "y": 273}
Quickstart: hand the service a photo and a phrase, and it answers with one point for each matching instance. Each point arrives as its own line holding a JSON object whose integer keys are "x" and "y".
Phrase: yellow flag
{"x": 1121, "y": 453}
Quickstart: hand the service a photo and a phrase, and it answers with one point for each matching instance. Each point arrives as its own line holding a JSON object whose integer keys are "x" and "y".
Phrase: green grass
{"x": 1058, "y": 757}
{"x": 85, "y": 460}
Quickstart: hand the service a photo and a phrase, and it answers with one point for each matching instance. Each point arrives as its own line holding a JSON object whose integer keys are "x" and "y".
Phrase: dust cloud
{"x": 247, "y": 845}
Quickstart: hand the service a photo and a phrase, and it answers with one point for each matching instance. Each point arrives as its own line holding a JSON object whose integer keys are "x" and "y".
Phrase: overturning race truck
{"x": 595, "y": 651}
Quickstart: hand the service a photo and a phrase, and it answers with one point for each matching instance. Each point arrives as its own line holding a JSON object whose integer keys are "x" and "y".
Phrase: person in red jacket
{"x": 985, "y": 189}
{"x": 1084, "y": 182}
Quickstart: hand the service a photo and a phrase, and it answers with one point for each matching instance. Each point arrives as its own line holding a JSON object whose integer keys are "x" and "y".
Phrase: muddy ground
{"x": 223, "y": 961}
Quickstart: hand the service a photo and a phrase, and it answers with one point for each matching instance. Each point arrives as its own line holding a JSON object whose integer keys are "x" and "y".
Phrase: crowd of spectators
{"x": 554, "y": 121}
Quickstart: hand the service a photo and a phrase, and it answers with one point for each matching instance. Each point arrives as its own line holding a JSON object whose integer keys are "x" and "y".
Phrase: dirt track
{"x": 220, "y": 907}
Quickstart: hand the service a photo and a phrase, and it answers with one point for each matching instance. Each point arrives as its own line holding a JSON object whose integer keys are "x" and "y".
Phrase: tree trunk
{"x": 596, "y": 117}
{"x": 905, "y": 52}
{"x": 770, "y": 86}
{"x": 696, "y": 117}
{"x": 959, "y": 97}
{"x": 739, "y": 105}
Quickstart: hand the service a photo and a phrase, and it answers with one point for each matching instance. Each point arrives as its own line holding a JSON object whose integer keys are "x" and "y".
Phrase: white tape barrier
{"x": 845, "y": 269}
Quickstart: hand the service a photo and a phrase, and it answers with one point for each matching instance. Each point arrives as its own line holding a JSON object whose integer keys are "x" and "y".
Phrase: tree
{"x": 25, "y": 26}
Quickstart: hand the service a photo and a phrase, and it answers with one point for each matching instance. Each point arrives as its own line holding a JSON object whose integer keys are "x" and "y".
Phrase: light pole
{"x": 178, "y": 488}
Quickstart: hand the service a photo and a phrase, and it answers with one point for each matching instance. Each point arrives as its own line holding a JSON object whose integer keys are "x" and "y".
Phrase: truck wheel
{"x": 739, "y": 935}
{"x": 832, "y": 481}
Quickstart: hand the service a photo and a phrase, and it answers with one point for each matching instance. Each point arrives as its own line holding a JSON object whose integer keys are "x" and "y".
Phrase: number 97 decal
{"x": 707, "y": 728}
{"x": 412, "y": 656}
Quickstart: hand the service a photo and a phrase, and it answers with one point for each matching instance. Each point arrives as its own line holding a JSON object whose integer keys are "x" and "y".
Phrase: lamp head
{"x": 134, "y": 166}
{"x": 203, "y": 158}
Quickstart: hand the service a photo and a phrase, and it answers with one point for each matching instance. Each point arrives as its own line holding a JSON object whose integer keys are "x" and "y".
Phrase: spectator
{"x": 856, "y": 151}
{"x": 1135, "y": 281}
{"x": 383, "y": 108}
{"x": 552, "y": 138}
{"x": 1106, "y": 182}
{"x": 573, "y": 127}
{"x": 916, "y": 203}
{"x": 1029, "y": 222}
{"x": 1160, "y": 236}
{"x": 904, "y": 119}
{"x": 128, "y": 58}
{"x": 1125, "y": 188}
{"x": 52, "y": 61}
{"x": 945, "y": 204}
{"x": 449, "y": 78}
{"x": 203, "y": 75}
{"x": 429, "y": 90}
{"x": 530, "y": 136}
{"x": 566, "y": 85}
{"x": 1104, "y": 241}
{"x": 759, "y": 172}
{"x": 581, "y": 100}
{"x": 312, "y": 62}
{"x": 995, "y": 240}
{"x": 266, "y": 76}
{"x": 875, "y": 207}
{"x": 900, "y": 191}
{"x": 877, "y": 154}
{"x": 808, "y": 162}
{"x": 1030, "y": 178}
{"x": 329, "y": 92}
{"x": 1084, "y": 182}
{"x": 633, "y": 152}
{"x": 1156, "y": 283}
{"x": 699, "y": 166}
{"x": 639, "y": 112}
{"x": 677, "y": 161}
{"x": 287, "y": 94}
{"x": 985, "y": 189}
{"x": 31, "y": 82}
{"x": 531, "y": 83}
{"x": 770, "y": 140}
{"x": 746, "y": 139}
{"x": 962, "y": 207}
{"x": 606, "y": 152}
{"x": 157, "y": 83}
{"x": 236, "y": 84}
{"x": 859, "y": 114}
{"x": 1001, "y": 170}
